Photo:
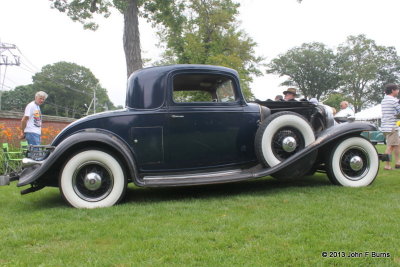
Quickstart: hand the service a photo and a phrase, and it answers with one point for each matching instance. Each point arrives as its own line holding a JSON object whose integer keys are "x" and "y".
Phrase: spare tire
{"x": 280, "y": 136}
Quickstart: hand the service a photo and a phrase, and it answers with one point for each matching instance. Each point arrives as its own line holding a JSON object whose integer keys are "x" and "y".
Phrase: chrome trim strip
{"x": 191, "y": 176}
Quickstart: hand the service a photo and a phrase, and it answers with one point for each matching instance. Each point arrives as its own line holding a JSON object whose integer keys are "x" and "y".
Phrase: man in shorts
{"x": 390, "y": 111}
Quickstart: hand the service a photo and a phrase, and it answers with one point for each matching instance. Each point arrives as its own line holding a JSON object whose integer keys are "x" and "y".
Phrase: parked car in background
{"x": 374, "y": 136}
{"x": 190, "y": 125}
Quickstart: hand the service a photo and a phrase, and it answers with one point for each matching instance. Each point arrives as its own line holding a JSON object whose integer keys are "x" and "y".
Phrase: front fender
{"x": 324, "y": 138}
{"x": 91, "y": 137}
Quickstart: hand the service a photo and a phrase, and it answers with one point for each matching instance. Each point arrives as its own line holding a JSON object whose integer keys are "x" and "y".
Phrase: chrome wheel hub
{"x": 356, "y": 163}
{"x": 289, "y": 144}
{"x": 92, "y": 181}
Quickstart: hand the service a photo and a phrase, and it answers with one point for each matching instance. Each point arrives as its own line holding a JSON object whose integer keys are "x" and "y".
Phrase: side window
{"x": 203, "y": 88}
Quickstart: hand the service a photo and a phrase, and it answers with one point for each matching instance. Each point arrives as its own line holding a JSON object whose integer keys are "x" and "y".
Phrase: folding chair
{"x": 24, "y": 147}
{"x": 11, "y": 159}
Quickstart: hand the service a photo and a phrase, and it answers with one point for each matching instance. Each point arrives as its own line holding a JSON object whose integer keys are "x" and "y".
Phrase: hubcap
{"x": 289, "y": 144}
{"x": 356, "y": 163}
{"x": 92, "y": 181}
{"x": 286, "y": 142}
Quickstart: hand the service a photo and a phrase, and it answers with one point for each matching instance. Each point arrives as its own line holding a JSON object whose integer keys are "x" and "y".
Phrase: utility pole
{"x": 7, "y": 58}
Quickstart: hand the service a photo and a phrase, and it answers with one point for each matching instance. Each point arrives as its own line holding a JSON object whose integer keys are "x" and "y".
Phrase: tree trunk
{"x": 132, "y": 38}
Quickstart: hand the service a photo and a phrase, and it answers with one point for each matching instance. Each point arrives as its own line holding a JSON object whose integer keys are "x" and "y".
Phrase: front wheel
{"x": 92, "y": 179}
{"x": 353, "y": 162}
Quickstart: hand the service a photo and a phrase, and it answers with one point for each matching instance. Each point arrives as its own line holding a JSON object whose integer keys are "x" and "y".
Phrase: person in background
{"x": 290, "y": 94}
{"x": 345, "y": 110}
{"x": 390, "y": 110}
{"x": 314, "y": 101}
{"x": 278, "y": 98}
{"x": 31, "y": 122}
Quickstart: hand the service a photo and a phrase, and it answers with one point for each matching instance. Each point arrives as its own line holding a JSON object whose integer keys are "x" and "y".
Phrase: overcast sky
{"x": 45, "y": 36}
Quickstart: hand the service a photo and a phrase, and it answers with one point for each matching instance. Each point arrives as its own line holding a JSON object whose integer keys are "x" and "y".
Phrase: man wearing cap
{"x": 290, "y": 94}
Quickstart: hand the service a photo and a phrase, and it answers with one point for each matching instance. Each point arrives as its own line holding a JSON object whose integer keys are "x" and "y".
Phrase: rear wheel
{"x": 92, "y": 179}
{"x": 353, "y": 162}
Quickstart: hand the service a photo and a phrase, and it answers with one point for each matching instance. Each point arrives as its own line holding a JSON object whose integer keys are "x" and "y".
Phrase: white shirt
{"x": 345, "y": 113}
{"x": 34, "y": 124}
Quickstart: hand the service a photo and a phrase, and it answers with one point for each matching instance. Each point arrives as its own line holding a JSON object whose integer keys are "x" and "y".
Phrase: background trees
{"x": 356, "y": 72}
{"x": 191, "y": 31}
{"x": 311, "y": 67}
{"x": 364, "y": 67}
{"x": 70, "y": 88}
{"x": 156, "y": 11}
{"x": 208, "y": 33}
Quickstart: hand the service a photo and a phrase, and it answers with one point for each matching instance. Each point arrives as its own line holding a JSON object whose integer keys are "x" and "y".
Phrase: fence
{"x": 10, "y": 123}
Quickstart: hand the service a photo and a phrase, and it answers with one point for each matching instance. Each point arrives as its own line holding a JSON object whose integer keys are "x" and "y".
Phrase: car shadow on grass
{"x": 47, "y": 198}
{"x": 263, "y": 186}
{"x": 50, "y": 198}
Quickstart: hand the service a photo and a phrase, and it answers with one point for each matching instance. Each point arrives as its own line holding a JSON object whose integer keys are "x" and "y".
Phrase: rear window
{"x": 203, "y": 88}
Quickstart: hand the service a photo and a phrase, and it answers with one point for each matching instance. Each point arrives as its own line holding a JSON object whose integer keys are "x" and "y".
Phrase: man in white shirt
{"x": 31, "y": 123}
{"x": 390, "y": 111}
{"x": 345, "y": 110}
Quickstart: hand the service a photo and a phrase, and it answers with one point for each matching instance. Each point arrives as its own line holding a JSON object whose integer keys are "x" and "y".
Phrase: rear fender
{"x": 87, "y": 137}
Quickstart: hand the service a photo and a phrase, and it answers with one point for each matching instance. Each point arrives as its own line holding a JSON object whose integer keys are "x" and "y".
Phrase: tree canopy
{"x": 70, "y": 88}
{"x": 364, "y": 67}
{"x": 207, "y": 32}
{"x": 310, "y": 67}
{"x": 192, "y": 31}
{"x": 156, "y": 11}
{"x": 357, "y": 71}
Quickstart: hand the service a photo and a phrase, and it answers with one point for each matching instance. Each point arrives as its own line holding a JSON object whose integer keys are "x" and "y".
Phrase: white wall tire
{"x": 353, "y": 162}
{"x": 275, "y": 129}
{"x": 92, "y": 179}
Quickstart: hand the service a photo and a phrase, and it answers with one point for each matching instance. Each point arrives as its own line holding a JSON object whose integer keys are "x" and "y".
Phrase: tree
{"x": 334, "y": 100}
{"x": 154, "y": 10}
{"x": 310, "y": 67}
{"x": 207, "y": 32}
{"x": 71, "y": 89}
{"x": 16, "y": 100}
{"x": 83, "y": 10}
{"x": 364, "y": 67}
{"x": 389, "y": 74}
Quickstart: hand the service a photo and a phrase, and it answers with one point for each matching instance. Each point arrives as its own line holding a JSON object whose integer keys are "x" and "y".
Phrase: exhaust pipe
{"x": 29, "y": 162}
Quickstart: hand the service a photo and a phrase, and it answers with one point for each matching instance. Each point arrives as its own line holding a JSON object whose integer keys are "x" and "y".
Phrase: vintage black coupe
{"x": 190, "y": 125}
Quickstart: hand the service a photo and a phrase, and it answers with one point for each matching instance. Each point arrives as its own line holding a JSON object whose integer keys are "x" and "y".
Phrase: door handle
{"x": 177, "y": 116}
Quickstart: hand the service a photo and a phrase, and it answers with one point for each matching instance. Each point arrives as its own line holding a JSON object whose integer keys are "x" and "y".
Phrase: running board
{"x": 194, "y": 179}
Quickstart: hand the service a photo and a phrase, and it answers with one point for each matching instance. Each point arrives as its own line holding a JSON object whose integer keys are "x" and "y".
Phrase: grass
{"x": 256, "y": 223}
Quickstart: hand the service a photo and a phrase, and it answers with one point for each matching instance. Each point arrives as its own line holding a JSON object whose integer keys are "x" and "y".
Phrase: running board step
{"x": 194, "y": 179}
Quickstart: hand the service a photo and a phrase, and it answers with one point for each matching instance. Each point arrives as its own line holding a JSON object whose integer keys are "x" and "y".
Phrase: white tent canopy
{"x": 372, "y": 113}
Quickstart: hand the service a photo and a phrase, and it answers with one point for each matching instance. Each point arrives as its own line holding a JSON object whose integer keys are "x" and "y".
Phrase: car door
{"x": 208, "y": 124}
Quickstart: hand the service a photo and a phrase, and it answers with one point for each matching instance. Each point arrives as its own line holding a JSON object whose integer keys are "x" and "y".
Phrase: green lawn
{"x": 257, "y": 223}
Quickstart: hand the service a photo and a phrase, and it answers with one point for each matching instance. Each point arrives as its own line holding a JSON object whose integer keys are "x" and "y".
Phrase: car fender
{"x": 88, "y": 137}
{"x": 323, "y": 139}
